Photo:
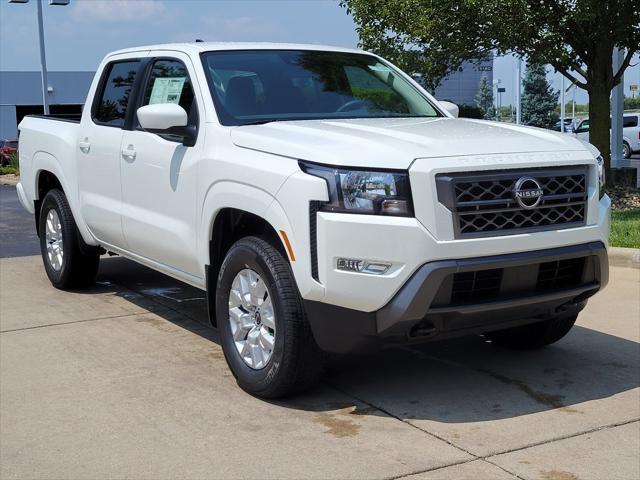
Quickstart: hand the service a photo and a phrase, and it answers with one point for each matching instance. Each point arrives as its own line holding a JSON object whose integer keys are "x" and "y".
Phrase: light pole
{"x": 519, "y": 91}
{"x": 562, "y": 107}
{"x": 43, "y": 56}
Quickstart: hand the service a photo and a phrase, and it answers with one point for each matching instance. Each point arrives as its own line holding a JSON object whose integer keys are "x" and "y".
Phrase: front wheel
{"x": 535, "y": 335}
{"x": 626, "y": 151}
{"x": 67, "y": 266}
{"x": 265, "y": 336}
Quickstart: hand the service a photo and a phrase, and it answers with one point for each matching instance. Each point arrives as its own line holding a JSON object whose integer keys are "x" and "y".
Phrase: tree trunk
{"x": 600, "y": 121}
{"x": 600, "y": 80}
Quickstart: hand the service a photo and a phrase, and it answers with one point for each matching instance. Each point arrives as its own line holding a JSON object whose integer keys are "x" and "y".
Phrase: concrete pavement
{"x": 124, "y": 381}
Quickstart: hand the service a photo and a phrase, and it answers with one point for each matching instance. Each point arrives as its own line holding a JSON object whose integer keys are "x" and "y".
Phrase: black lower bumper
{"x": 451, "y": 298}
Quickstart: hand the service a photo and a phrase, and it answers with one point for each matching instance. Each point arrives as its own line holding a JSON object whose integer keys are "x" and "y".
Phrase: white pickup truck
{"x": 324, "y": 201}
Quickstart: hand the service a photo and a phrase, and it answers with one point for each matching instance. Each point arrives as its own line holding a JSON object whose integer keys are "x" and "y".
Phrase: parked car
{"x": 630, "y": 133}
{"x": 322, "y": 199}
{"x": 8, "y": 143}
{"x": 568, "y": 125}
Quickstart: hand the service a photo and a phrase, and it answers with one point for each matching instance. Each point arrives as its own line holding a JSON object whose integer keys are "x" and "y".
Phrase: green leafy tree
{"x": 576, "y": 37}
{"x": 484, "y": 99}
{"x": 539, "y": 100}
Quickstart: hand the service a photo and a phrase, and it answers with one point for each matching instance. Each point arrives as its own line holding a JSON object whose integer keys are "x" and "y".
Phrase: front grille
{"x": 481, "y": 286}
{"x": 483, "y": 203}
{"x": 560, "y": 274}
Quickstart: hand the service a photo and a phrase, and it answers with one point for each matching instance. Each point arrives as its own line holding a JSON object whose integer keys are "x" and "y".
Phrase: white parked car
{"x": 323, "y": 200}
{"x": 630, "y": 133}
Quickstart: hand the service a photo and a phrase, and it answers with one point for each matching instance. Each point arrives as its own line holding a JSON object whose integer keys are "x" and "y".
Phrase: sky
{"x": 80, "y": 34}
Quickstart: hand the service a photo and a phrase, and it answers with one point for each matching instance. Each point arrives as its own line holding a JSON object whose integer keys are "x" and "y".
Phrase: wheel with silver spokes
{"x": 67, "y": 264}
{"x": 54, "y": 241}
{"x": 252, "y": 318}
{"x": 264, "y": 332}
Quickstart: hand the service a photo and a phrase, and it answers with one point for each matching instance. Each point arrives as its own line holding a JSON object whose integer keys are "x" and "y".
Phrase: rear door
{"x": 159, "y": 175}
{"x": 99, "y": 181}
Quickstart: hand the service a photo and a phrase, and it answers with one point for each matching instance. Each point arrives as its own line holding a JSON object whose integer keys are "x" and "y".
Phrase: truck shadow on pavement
{"x": 454, "y": 381}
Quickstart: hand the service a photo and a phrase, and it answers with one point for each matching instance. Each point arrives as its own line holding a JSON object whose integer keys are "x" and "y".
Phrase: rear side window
{"x": 630, "y": 122}
{"x": 114, "y": 96}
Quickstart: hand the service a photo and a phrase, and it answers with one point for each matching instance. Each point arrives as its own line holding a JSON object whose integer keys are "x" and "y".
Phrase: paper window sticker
{"x": 167, "y": 90}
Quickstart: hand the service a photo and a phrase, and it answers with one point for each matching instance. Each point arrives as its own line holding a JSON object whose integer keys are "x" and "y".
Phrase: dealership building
{"x": 21, "y": 92}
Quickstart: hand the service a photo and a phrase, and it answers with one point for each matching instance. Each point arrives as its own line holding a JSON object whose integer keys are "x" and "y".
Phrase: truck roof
{"x": 198, "y": 47}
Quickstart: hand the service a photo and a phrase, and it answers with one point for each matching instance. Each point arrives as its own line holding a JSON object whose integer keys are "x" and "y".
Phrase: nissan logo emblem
{"x": 528, "y": 192}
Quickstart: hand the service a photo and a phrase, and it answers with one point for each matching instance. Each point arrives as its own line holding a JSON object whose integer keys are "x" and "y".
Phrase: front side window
{"x": 169, "y": 83}
{"x": 274, "y": 85}
{"x": 114, "y": 97}
{"x": 630, "y": 122}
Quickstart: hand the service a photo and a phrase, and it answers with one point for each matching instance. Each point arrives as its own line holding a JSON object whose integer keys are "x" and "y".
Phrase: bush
{"x": 8, "y": 160}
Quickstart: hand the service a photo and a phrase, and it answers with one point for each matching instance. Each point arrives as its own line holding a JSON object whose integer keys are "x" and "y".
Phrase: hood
{"x": 395, "y": 143}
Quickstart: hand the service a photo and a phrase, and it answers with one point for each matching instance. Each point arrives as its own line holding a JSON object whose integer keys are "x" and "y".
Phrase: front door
{"x": 582, "y": 132}
{"x": 99, "y": 152}
{"x": 159, "y": 176}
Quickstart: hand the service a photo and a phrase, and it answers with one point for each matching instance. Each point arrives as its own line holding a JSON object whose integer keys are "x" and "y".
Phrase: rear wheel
{"x": 66, "y": 265}
{"x": 265, "y": 335}
{"x": 626, "y": 150}
{"x": 535, "y": 335}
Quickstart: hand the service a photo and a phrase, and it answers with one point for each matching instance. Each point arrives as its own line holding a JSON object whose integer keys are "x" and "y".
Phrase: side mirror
{"x": 167, "y": 118}
{"x": 452, "y": 108}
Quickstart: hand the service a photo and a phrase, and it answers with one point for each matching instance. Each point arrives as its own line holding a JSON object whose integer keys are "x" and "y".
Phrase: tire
{"x": 72, "y": 269}
{"x": 294, "y": 363}
{"x": 535, "y": 335}
{"x": 626, "y": 151}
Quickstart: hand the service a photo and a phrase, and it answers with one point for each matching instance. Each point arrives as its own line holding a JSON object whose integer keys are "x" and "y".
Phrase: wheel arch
{"x": 49, "y": 174}
{"x": 232, "y": 211}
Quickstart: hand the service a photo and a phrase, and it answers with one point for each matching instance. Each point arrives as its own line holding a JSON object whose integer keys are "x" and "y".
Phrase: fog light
{"x": 362, "y": 266}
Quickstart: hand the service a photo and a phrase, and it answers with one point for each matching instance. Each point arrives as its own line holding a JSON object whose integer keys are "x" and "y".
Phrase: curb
{"x": 624, "y": 257}
{"x": 9, "y": 179}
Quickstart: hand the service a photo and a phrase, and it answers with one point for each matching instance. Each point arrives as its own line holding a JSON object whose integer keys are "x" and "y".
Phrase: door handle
{"x": 129, "y": 153}
{"x": 84, "y": 146}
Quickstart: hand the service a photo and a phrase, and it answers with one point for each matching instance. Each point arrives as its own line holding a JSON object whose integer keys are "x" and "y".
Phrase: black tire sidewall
{"x": 242, "y": 256}
{"x": 53, "y": 200}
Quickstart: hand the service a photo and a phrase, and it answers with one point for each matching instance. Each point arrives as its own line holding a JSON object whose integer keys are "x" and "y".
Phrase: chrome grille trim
{"x": 482, "y": 203}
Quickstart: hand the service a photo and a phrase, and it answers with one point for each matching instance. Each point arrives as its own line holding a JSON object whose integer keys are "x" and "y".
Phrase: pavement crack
{"x": 475, "y": 457}
{"x": 392, "y": 415}
{"x": 86, "y": 320}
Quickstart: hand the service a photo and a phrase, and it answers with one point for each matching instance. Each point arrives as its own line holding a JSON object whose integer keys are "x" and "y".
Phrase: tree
{"x": 539, "y": 100}
{"x": 576, "y": 37}
{"x": 484, "y": 99}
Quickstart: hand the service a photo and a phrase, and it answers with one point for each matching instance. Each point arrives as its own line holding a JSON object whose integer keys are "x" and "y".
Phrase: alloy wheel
{"x": 53, "y": 240}
{"x": 252, "y": 319}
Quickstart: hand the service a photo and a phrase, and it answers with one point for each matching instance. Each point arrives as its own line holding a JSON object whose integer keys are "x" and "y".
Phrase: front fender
{"x": 229, "y": 194}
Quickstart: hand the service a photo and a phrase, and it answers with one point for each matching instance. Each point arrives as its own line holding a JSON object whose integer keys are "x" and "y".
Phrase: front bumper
{"x": 437, "y": 302}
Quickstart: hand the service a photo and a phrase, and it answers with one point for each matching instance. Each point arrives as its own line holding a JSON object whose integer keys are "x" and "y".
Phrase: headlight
{"x": 372, "y": 192}
{"x": 601, "y": 175}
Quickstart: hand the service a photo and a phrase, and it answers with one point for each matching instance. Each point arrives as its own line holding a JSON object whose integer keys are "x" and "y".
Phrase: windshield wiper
{"x": 263, "y": 122}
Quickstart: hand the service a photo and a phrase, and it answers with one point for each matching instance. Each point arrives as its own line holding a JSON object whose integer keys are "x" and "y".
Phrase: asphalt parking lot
{"x": 124, "y": 381}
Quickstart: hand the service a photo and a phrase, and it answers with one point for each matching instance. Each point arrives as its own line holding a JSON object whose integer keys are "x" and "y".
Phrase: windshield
{"x": 262, "y": 86}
